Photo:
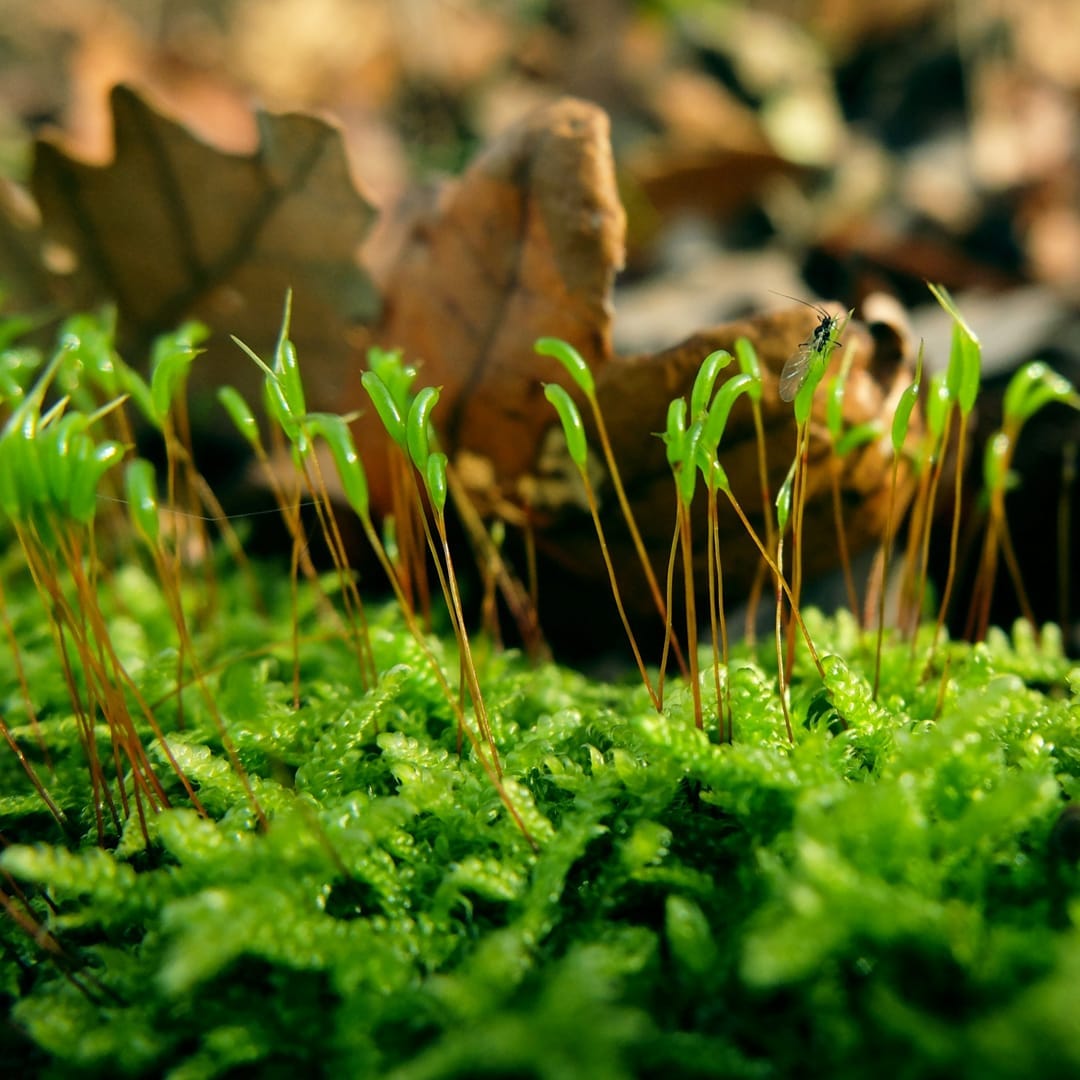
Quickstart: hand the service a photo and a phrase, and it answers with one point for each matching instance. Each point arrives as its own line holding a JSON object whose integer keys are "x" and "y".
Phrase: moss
{"x": 285, "y": 866}
{"x": 693, "y": 907}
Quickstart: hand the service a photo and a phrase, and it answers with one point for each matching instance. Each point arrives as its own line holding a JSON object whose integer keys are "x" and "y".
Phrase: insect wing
{"x": 795, "y": 370}
{"x": 794, "y": 373}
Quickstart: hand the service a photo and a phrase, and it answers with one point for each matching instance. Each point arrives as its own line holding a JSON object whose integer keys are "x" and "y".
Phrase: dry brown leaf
{"x": 174, "y": 228}
{"x": 109, "y": 47}
{"x": 710, "y": 155}
{"x": 24, "y": 283}
{"x": 525, "y": 244}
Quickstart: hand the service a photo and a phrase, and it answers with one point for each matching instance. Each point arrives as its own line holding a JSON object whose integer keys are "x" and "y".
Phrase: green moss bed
{"x": 896, "y": 893}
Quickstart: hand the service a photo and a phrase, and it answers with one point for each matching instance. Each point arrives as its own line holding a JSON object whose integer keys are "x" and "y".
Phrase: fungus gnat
{"x": 820, "y": 341}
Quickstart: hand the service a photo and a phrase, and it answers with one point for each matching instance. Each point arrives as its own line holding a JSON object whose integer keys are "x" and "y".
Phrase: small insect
{"x": 818, "y": 344}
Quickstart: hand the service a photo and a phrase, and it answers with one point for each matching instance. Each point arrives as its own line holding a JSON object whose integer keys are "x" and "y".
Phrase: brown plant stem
{"x": 954, "y": 539}
{"x": 590, "y": 495}
{"x": 691, "y": 613}
{"x": 635, "y": 533}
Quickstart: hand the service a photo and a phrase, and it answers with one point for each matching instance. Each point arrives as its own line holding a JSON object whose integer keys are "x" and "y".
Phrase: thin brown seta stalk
{"x": 444, "y": 567}
{"x": 103, "y": 675}
{"x": 411, "y": 561}
{"x": 1013, "y": 564}
{"x": 753, "y": 602}
{"x": 781, "y": 676}
{"x": 465, "y": 648}
{"x": 489, "y": 598}
{"x": 171, "y": 589}
{"x": 916, "y": 554}
{"x": 1064, "y": 533}
{"x": 20, "y": 674}
{"x": 780, "y": 579}
{"x": 120, "y": 677}
{"x": 757, "y": 588}
{"x": 886, "y": 549}
{"x": 725, "y": 720}
{"x": 290, "y": 505}
{"x": 297, "y": 550}
{"x": 210, "y": 502}
{"x": 841, "y": 536}
{"x": 998, "y": 537}
{"x": 177, "y": 433}
{"x": 521, "y": 600}
{"x": 669, "y": 596}
{"x": 43, "y": 572}
{"x": 635, "y": 534}
{"x": 354, "y": 605}
{"x": 687, "y": 555}
{"x": 802, "y": 463}
{"x": 532, "y": 577}
{"x": 289, "y": 508}
{"x": 43, "y": 792}
{"x": 418, "y": 635}
{"x": 171, "y": 443}
{"x": 590, "y": 496}
{"x": 954, "y": 540}
{"x": 922, "y": 536}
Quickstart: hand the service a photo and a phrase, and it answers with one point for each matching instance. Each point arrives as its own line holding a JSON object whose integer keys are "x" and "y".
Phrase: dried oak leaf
{"x": 526, "y": 243}
{"x": 24, "y": 284}
{"x": 173, "y": 228}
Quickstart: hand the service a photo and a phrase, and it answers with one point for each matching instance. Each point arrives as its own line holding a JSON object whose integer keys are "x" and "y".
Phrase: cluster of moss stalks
{"x": 254, "y": 825}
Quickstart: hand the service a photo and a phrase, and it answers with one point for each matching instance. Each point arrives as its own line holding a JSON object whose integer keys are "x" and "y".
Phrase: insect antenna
{"x": 795, "y": 370}
{"x": 805, "y": 303}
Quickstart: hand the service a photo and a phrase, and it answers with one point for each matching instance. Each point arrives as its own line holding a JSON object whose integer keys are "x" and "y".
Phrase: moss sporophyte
{"x": 274, "y": 822}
